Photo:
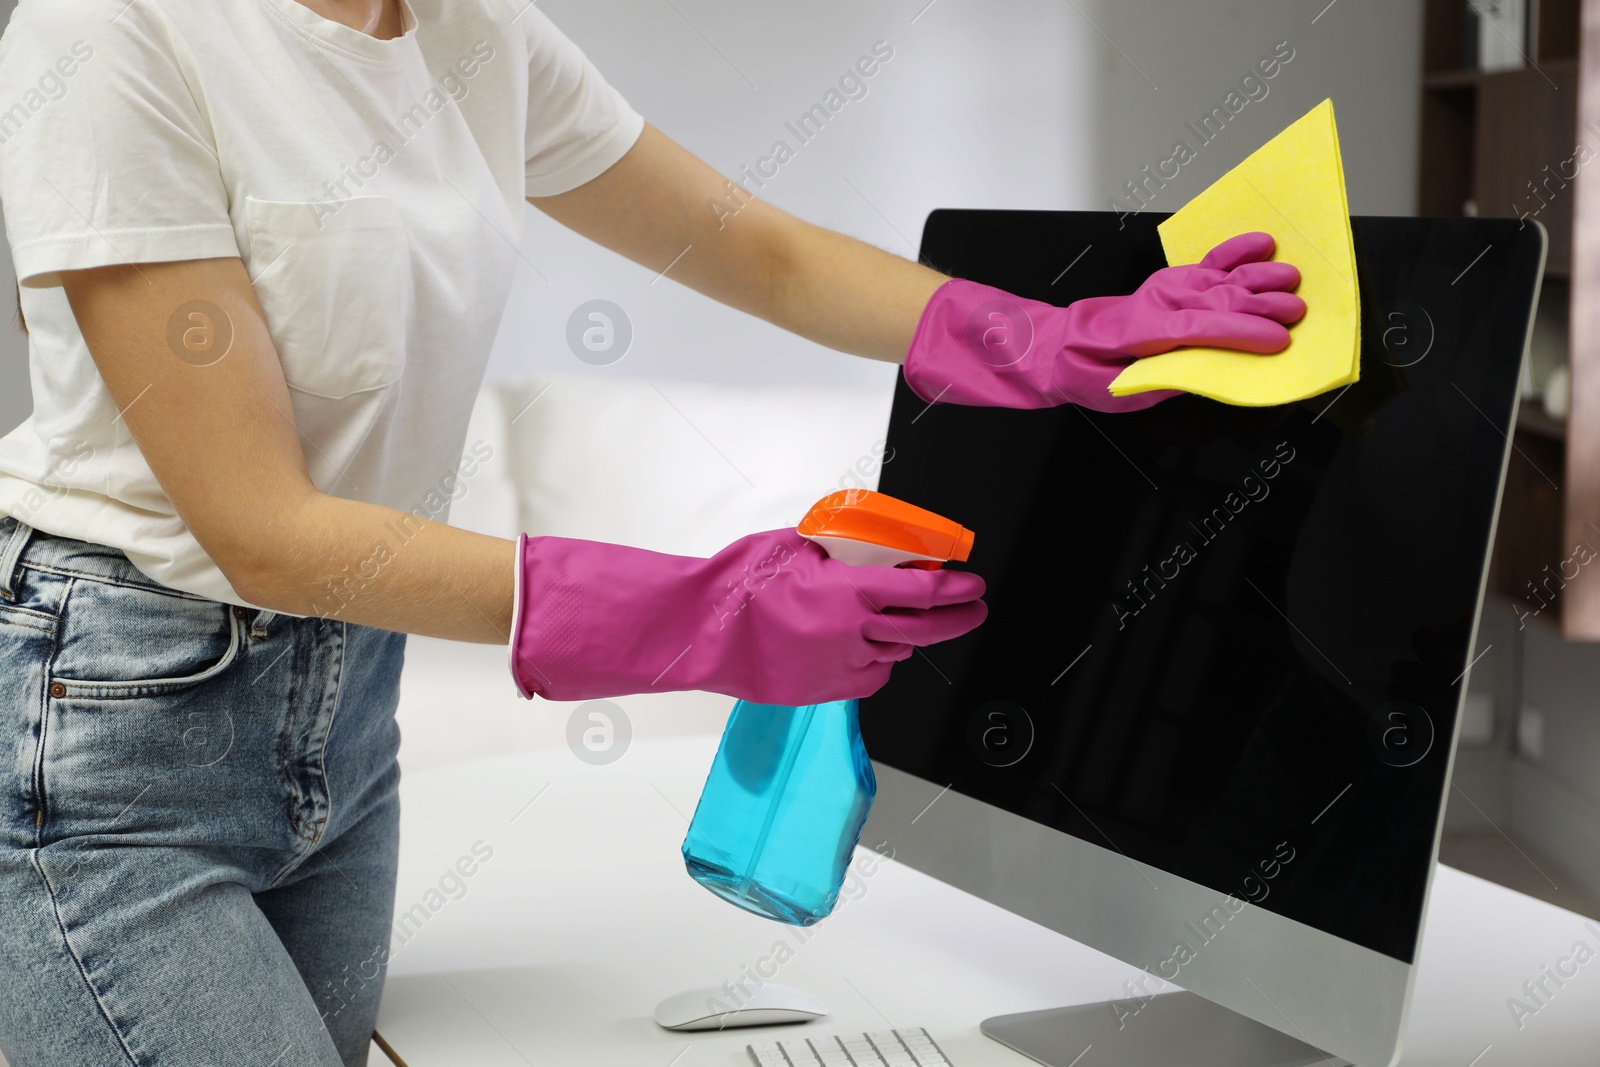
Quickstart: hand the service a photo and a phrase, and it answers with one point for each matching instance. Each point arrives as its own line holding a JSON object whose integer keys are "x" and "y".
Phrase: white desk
{"x": 559, "y": 946}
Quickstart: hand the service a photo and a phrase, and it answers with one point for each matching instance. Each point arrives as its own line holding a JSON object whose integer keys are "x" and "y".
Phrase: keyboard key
{"x": 911, "y": 1047}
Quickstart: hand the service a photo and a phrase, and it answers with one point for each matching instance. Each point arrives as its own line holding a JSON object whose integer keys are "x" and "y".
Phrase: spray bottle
{"x": 790, "y": 788}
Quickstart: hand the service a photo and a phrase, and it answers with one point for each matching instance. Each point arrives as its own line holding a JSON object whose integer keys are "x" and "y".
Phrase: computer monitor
{"x": 1208, "y": 725}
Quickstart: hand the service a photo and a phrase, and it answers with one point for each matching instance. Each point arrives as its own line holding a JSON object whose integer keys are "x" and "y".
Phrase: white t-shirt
{"x": 373, "y": 189}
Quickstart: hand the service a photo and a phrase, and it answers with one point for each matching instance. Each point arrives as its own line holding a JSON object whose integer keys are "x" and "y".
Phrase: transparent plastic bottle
{"x": 782, "y": 809}
{"x": 790, "y": 788}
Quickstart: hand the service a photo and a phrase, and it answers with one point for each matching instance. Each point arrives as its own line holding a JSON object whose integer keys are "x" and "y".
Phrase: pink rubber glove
{"x": 771, "y": 619}
{"x": 984, "y": 347}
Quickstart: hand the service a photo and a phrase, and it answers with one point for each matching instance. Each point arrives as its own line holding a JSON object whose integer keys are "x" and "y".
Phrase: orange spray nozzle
{"x": 860, "y": 526}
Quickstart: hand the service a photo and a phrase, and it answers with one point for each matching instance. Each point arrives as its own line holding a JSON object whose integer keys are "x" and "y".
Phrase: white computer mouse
{"x": 715, "y": 1009}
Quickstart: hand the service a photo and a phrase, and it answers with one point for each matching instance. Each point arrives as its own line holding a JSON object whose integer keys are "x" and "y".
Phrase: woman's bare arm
{"x": 221, "y": 440}
{"x": 654, "y": 207}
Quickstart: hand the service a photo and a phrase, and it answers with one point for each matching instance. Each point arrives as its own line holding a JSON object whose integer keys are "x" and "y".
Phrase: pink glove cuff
{"x": 586, "y": 612}
{"x": 984, "y": 347}
{"x": 517, "y": 600}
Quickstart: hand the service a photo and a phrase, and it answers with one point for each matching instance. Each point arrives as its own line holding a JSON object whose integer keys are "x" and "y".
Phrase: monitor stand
{"x": 1168, "y": 1029}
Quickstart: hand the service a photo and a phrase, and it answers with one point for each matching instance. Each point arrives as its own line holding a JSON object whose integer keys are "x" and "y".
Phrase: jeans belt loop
{"x": 11, "y": 560}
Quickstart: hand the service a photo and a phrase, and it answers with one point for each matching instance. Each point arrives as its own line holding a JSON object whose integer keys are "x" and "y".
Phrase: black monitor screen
{"x": 1227, "y": 642}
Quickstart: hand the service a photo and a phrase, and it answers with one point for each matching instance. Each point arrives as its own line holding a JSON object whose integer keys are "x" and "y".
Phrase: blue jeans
{"x": 198, "y": 821}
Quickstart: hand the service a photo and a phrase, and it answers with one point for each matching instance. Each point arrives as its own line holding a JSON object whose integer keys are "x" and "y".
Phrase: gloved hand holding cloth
{"x": 983, "y": 347}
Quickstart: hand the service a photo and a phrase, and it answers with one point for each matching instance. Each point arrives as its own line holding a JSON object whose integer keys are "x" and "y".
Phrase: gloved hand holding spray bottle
{"x": 790, "y": 788}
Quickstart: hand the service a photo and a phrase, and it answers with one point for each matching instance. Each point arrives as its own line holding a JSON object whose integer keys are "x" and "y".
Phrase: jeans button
{"x": 238, "y": 613}
{"x": 57, "y": 690}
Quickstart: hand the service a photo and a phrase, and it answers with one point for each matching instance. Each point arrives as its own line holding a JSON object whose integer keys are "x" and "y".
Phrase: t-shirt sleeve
{"x": 578, "y": 124}
{"x": 106, "y": 157}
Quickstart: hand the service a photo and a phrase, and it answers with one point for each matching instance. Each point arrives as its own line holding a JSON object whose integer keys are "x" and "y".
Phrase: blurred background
{"x": 1043, "y": 104}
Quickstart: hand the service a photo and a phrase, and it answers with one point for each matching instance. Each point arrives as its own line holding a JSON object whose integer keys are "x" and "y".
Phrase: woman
{"x": 264, "y": 246}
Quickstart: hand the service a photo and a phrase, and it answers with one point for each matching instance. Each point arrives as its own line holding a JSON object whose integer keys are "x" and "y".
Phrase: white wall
{"x": 1164, "y": 63}
{"x": 15, "y": 401}
{"x": 988, "y": 104}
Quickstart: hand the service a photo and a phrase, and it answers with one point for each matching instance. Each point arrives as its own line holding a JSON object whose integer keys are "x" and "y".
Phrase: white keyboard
{"x": 881, "y": 1048}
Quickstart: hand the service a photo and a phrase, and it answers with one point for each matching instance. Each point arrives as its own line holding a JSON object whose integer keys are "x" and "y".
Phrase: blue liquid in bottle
{"x": 782, "y": 809}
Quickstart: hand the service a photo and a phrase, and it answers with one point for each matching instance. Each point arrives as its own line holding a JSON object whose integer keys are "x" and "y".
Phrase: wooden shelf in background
{"x": 1449, "y": 135}
{"x": 1557, "y": 36}
{"x": 1581, "y": 618}
{"x": 1528, "y": 537}
{"x": 1505, "y": 144}
{"x": 1527, "y": 132}
{"x": 1531, "y": 418}
{"x": 1444, "y": 23}
{"x": 1452, "y": 79}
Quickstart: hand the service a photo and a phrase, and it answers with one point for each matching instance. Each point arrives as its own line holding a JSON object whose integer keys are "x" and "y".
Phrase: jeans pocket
{"x": 120, "y": 641}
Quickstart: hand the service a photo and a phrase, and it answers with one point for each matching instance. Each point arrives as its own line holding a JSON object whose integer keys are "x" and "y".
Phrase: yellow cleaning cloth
{"x": 1292, "y": 188}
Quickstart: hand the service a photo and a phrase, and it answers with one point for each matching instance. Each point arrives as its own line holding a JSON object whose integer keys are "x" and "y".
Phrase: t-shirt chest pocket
{"x": 334, "y": 283}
